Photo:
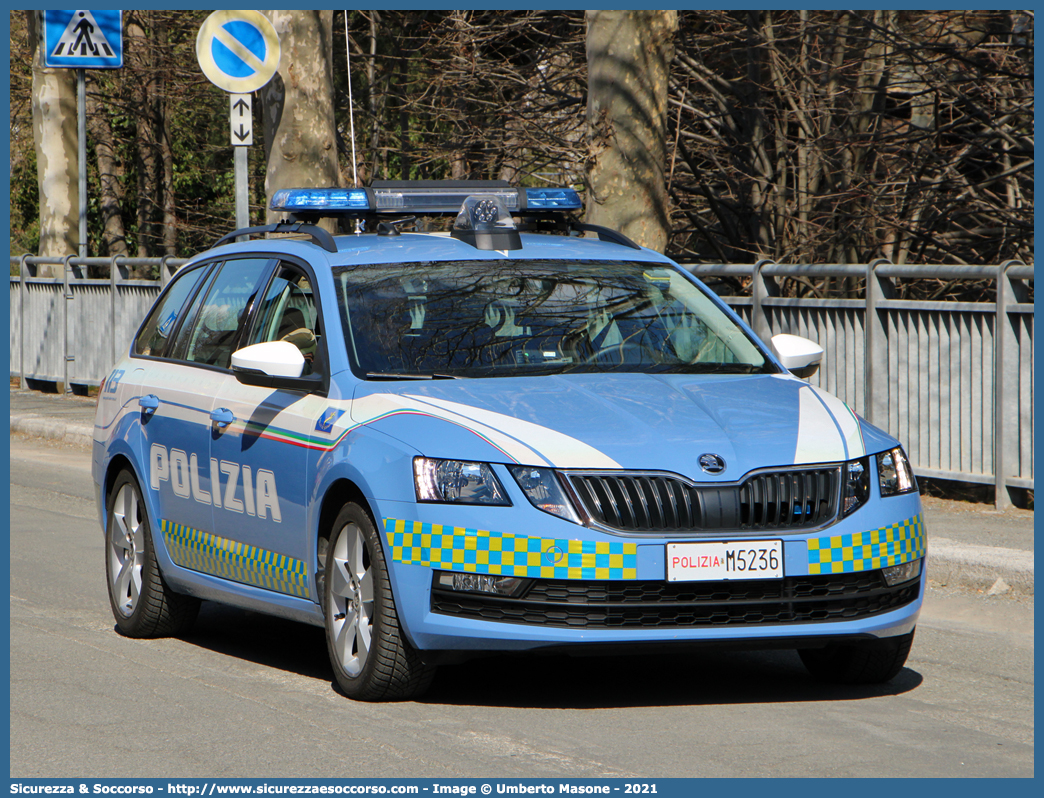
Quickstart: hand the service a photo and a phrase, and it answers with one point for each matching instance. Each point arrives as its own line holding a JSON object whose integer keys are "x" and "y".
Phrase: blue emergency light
{"x": 552, "y": 199}
{"x": 321, "y": 200}
{"x": 431, "y": 197}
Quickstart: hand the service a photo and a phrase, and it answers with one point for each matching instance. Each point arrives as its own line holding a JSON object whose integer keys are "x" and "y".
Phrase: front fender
{"x": 377, "y": 465}
{"x": 876, "y": 439}
{"x": 119, "y": 441}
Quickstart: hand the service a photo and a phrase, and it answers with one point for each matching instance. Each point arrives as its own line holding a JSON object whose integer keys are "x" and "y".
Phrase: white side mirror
{"x": 800, "y": 356}
{"x": 273, "y": 358}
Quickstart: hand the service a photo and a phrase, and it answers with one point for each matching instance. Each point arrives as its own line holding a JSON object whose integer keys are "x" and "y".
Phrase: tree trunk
{"x": 300, "y": 135}
{"x": 170, "y": 228}
{"x": 54, "y": 134}
{"x": 375, "y": 161}
{"x": 628, "y": 57}
{"x": 110, "y": 189}
{"x": 140, "y": 56}
{"x": 404, "y": 118}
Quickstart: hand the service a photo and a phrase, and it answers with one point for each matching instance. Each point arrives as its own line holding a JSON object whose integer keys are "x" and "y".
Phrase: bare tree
{"x": 109, "y": 175}
{"x": 144, "y": 80}
{"x": 846, "y": 136}
{"x": 163, "y": 125}
{"x": 467, "y": 94}
{"x": 803, "y": 136}
{"x": 54, "y": 136}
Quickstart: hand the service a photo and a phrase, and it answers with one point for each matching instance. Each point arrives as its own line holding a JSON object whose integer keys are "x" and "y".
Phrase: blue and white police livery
{"x": 510, "y": 436}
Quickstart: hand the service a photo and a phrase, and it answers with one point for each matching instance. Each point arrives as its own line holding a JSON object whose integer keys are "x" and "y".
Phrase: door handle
{"x": 222, "y": 417}
{"x": 149, "y": 403}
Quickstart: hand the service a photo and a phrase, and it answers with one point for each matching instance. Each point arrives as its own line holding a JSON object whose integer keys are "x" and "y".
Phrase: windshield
{"x": 512, "y": 318}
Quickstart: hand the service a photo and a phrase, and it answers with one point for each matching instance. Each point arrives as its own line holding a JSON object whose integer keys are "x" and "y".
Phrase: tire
{"x": 870, "y": 662}
{"x": 141, "y": 602}
{"x": 371, "y": 657}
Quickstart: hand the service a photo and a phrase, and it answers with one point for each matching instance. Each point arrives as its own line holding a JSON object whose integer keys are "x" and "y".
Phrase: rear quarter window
{"x": 154, "y": 336}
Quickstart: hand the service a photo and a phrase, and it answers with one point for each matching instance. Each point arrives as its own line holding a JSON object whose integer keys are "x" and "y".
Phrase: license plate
{"x": 737, "y": 559}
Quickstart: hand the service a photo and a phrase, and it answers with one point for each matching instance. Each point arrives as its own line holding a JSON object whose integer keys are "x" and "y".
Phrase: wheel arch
{"x": 341, "y": 491}
{"x": 338, "y": 493}
{"x": 119, "y": 462}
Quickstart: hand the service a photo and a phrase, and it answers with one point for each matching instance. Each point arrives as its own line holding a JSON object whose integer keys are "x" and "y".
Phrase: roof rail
{"x": 604, "y": 233}
{"x": 318, "y": 234}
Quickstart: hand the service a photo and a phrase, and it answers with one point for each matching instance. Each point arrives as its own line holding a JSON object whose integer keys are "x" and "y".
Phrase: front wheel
{"x": 371, "y": 658}
{"x": 865, "y": 662}
{"x": 141, "y": 602}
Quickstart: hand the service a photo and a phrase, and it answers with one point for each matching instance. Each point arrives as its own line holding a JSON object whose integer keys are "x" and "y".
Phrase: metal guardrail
{"x": 75, "y": 327}
{"x": 952, "y": 380}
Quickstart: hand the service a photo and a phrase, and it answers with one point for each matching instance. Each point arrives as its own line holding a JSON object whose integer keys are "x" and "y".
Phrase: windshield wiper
{"x": 714, "y": 368}
{"x": 724, "y": 368}
{"x": 398, "y": 375}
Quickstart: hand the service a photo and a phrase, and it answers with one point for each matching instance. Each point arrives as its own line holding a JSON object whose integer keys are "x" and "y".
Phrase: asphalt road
{"x": 247, "y": 695}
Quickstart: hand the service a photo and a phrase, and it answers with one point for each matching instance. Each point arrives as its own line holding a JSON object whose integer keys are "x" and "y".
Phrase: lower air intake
{"x": 644, "y": 604}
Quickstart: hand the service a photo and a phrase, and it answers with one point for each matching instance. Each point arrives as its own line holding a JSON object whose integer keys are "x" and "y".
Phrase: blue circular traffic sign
{"x": 238, "y": 51}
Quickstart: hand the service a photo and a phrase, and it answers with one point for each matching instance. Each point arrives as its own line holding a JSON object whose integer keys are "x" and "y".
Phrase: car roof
{"x": 371, "y": 248}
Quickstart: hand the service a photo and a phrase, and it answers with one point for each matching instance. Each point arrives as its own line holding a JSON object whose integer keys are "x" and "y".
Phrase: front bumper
{"x": 616, "y": 591}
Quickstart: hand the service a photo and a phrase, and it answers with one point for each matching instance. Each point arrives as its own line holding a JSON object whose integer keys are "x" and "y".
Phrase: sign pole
{"x": 239, "y": 53}
{"x": 241, "y": 122}
{"x": 81, "y": 135}
{"x": 242, "y": 186}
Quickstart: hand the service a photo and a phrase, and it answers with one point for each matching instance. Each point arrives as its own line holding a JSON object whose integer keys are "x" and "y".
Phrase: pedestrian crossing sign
{"x": 83, "y": 39}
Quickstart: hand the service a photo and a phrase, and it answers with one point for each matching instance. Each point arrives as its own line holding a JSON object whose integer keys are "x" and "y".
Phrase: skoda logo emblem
{"x": 711, "y": 463}
{"x": 553, "y": 555}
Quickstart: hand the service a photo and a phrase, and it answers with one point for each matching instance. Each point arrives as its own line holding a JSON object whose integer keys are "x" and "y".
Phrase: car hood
{"x": 629, "y": 421}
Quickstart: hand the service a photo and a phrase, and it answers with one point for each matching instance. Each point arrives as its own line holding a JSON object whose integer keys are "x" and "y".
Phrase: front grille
{"x": 651, "y": 503}
{"x": 630, "y": 604}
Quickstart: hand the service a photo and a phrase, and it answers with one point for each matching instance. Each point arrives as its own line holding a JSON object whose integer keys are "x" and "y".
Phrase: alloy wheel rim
{"x": 351, "y": 600}
{"x": 126, "y": 550}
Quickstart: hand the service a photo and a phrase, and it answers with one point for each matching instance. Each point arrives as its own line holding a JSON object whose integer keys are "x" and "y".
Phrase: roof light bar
{"x": 431, "y": 197}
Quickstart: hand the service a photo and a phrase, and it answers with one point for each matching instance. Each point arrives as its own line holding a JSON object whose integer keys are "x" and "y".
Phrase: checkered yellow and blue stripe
{"x": 866, "y": 551}
{"x": 505, "y": 554}
{"x": 229, "y": 559}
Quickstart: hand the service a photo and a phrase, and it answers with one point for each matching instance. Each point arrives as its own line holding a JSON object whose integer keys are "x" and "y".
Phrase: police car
{"x": 526, "y": 433}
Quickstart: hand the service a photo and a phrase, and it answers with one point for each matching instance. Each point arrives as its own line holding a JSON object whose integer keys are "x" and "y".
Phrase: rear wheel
{"x": 867, "y": 662}
{"x": 371, "y": 658}
{"x": 141, "y": 602}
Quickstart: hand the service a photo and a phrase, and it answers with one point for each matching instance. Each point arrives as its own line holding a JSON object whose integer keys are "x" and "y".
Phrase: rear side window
{"x": 155, "y": 333}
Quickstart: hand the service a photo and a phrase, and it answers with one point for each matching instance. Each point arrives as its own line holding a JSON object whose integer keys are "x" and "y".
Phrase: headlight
{"x": 855, "y": 485}
{"x": 544, "y": 491}
{"x": 457, "y": 481}
{"x": 894, "y": 474}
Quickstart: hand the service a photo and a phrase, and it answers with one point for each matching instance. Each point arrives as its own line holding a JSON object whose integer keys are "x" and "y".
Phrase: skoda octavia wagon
{"x": 525, "y": 433}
